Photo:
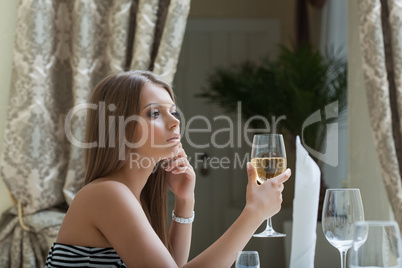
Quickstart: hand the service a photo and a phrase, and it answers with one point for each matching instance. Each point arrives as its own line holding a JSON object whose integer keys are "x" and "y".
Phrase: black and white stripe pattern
{"x": 61, "y": 255}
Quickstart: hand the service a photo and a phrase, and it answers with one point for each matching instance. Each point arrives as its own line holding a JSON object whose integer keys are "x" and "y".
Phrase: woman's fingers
{"x": 179, "y": 162}
{"x": 282, "y": 177}
{"x": 251, "y": 173}
{"x": 180, "y": 170}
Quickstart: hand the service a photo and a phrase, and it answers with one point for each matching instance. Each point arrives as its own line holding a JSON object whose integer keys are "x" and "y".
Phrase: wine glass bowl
{"x": 268, "y": 166}
{"x": 247, "y": 259}
{"x": 268, "y": 157}
{"x": 341, "y": 210}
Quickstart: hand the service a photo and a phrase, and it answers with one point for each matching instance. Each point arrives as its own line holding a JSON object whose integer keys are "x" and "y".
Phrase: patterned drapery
{"x": 381, "y": 45}
{"x": 62, "y": 49}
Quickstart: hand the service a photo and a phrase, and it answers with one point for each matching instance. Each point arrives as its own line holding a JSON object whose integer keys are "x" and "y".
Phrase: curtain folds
{"x": 168, "y": 53}
{"x": 381, "y": 45}
{"x": 62, "y": 49}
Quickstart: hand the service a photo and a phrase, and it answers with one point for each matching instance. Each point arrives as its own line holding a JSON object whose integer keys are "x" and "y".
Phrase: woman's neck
{"x": 134, "y": 177}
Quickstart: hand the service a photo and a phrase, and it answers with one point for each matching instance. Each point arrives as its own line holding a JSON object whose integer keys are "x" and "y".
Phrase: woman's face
{"x": 158, "y": 130}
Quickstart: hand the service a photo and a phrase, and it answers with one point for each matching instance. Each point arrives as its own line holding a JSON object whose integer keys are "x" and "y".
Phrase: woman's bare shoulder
{"x": 93, "y": 204}
{"x": 103, "y": 189}
{"x": 102, "y": 198}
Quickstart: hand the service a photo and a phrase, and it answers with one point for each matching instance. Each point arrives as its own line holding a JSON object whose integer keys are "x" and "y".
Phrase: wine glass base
{"x": 269, "y": 234}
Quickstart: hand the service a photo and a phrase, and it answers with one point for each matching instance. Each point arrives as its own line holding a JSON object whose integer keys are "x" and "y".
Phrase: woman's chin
{"x": 171, "y": 154}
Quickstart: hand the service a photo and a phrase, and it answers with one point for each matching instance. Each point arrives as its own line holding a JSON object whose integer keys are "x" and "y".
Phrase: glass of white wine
{"x": 268, "y": 156}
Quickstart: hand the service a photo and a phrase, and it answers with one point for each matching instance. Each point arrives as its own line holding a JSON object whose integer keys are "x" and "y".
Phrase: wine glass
{"x": 376, "y": 244}
{"x": 342, "y": 208}
{"x": 268, "y": 156}
{"x": 247, "y": 259}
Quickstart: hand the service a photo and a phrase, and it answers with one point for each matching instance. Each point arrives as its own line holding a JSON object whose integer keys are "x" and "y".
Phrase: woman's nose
{"x": 173, "y": 121}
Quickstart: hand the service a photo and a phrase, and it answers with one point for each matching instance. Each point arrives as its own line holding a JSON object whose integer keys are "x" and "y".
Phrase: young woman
{"x": 118, "y": 219}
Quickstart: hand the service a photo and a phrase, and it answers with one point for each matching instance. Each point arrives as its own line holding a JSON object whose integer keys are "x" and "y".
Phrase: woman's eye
{"x": 154, "y": 113}
{"x": 176, "y": 114}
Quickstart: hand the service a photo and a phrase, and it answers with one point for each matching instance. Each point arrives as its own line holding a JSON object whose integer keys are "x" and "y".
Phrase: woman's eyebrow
{"x": 159, "y": 105}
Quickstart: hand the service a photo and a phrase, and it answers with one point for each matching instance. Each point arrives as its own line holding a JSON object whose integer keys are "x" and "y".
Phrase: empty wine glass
{"x": 247, "y": 259}
{"x": 268, "y": 156}
{"x": 342, "y": 208}
{"x": 376, "y": 244}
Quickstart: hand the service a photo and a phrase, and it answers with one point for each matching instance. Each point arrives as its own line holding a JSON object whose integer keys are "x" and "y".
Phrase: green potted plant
{"x": 296, "y": 83}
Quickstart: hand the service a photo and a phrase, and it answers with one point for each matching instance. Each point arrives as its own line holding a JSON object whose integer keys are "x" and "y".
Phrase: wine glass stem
{"x": 343, "y": 258}
{"x": 269, "y": 225}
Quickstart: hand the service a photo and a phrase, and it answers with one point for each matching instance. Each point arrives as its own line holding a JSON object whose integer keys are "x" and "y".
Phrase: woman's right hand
{"x": 265, "y": 199}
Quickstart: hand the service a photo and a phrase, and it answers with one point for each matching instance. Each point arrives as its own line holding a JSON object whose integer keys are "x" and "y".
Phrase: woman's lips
{"x": 174, "y": 138}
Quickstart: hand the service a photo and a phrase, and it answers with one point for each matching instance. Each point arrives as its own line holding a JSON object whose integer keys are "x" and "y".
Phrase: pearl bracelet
{"x": 182, "y": 220}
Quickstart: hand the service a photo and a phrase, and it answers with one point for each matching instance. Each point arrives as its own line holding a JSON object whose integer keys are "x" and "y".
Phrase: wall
{"x": 364, "y": 171}
{"x": 7, "y": 28}
{"x": 283, "y": 10}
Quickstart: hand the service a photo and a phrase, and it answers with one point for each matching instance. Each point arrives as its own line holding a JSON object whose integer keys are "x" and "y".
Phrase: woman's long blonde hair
{"x": 119, "y": 95}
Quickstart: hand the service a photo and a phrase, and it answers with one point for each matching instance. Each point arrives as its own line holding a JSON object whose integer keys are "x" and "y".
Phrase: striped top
{"x": 61, "y": 255}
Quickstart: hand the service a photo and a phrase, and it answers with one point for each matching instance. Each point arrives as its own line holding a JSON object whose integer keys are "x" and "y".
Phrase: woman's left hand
{"x": 181, "y": 176}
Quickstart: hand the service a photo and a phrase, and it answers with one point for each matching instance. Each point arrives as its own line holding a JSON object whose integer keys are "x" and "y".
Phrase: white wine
{"x": 269, "y": 167}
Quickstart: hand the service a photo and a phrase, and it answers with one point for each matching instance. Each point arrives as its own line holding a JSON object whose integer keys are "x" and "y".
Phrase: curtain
{"x": 381, "y": 45}
{"x": 62, "y": 49}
